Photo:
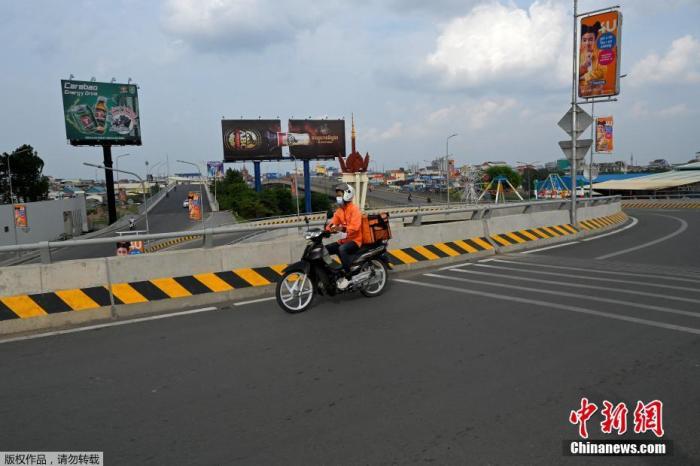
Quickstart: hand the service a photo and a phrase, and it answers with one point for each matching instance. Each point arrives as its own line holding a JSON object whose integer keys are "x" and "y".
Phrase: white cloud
{"x": 477, "y": 114}
{"x": 497, "y": 42}
{"x": 681, "y": 64}
{"x": 673, "y": 111}
{"x": 393, "y": 132}
{"x": 237, "y": 24}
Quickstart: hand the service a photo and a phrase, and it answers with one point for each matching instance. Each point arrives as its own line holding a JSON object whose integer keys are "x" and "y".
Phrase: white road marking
{"x": 453, "y": 266}
{"x": 571, "y": 295}
{"x": 587, "y": 277}
{"x": 487, "y": 260}
{"x": 564, "y": 307}
{"x": 549, "y": 247}
{"x": 253, "y": 301}
{"x": 683, "y": 227}
{"x": 634, "y": 222}
{"x": 609, "y": 272}
{"x": 110, "y": 324}
{"x": 581, "y": 285}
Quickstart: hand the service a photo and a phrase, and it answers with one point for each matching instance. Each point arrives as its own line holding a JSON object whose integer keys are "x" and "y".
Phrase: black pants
{"x": 345, "y": 251}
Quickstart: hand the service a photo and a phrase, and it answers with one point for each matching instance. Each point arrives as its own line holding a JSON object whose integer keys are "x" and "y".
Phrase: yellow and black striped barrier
{"x": 602, "y": 222}
{"x": 82, "y": 299}
{"x": 660, "y": 205}
{"x": 171, "y": 242}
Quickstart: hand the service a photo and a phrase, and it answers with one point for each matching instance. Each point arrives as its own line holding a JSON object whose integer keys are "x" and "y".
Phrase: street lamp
{"x": 447, "y": 165}
{"x": 143, "y": 186}
{"x": 528, "y": 165}
{"x": 117, "y": 169}
{"x": 201, "y": 182}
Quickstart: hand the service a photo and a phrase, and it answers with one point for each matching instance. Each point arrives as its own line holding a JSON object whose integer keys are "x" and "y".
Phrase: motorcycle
{"x": 317, "y": 274}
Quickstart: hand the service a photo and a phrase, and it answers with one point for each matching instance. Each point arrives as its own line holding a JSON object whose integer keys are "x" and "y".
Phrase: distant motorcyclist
{"x": 348, "y": 221}
{"x": 132, "y": 223}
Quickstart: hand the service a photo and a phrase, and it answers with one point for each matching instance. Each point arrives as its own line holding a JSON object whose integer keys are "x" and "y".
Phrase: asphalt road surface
{"x": 479, "y": 363}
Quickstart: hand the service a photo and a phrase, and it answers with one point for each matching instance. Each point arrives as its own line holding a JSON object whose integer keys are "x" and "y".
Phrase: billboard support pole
{"x": 109, "y": 182}
{"x": 574, "y": 134}
{"x": 307, "y": 186}
{"x": 590, "y": 166}
{"x": 258, "y": 183}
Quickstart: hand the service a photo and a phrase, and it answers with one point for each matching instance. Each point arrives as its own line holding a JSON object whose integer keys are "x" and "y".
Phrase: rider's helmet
{"x": 348, "y": 191}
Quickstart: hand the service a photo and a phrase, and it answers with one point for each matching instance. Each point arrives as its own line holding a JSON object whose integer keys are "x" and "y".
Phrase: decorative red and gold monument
{"x": 354, "y": 168}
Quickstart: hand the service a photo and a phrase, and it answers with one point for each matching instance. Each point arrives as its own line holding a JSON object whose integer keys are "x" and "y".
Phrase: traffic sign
{"x": 583, "y": 121}
{"x": 582, "y": 146}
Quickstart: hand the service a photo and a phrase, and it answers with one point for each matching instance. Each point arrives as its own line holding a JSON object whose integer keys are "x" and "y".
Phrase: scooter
{"x": 317, "y": 274}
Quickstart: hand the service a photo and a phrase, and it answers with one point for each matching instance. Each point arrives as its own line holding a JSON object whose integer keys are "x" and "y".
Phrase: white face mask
{"x": 339, "y": 200}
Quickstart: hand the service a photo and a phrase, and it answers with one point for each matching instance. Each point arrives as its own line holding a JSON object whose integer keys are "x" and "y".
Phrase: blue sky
{"x": 412, "y": 72}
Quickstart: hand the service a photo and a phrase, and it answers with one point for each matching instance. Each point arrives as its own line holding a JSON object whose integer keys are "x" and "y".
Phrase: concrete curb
{"x": 60, "y": 308}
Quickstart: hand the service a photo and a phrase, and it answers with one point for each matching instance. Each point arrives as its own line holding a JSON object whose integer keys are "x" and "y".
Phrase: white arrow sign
{"x": 583, "y": 121}
{"x": 582, "y": 146}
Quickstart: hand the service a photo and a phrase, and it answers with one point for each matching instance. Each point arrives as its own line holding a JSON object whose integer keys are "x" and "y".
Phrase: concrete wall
{"x": 46, "y": 221}
{"x": 38, "y": 278}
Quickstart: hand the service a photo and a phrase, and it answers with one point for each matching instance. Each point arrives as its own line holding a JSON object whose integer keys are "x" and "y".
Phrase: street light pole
{"x": 201, "y": 181}
{"x": 143, "y": 187}
{"x": 117, "y": 169}
{"x": 447, "y": 165}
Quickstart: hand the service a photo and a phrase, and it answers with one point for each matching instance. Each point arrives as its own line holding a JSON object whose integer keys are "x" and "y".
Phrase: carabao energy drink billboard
{"x": 101, "y": 113}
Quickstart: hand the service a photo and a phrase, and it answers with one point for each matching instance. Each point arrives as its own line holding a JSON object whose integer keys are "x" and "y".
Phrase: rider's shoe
{"x": 342, "y": 283}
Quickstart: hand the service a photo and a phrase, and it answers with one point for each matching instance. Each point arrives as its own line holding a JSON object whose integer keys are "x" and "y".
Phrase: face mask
{"x": 339, "y": 200}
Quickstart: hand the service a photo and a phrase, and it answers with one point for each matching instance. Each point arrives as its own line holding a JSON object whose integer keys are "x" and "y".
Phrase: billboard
{"x": 215, "y": 169}
{"x": 252, "y": 140}
{"x": 101, "y": 113}
{"x": 599, "y": 55}
{"x": 604, "y": 134}
{"x": 21, "y": 216}
{"x": 316, "y": 139}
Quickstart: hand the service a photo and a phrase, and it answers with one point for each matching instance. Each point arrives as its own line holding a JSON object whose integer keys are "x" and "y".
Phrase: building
{"x": 659, "y": 165}
{"x": 612, "y": 167}
{"x": 488, "y": 164}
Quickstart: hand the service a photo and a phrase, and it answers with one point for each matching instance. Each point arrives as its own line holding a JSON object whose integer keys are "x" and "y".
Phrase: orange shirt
{"x": 350, "y": 217}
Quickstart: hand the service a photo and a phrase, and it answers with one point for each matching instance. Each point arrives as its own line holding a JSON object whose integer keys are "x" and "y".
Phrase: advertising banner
{"x": 21, "y": 216}
{"x": 316, "y": 139}
{"x": 101, "y": 113}
{"x": 215, "y": 169}
{"x": 195, "y": 205}
{"x": 599, "y": 55}
{"x": 604, "y": 134}
{"x": 252, "y": 140}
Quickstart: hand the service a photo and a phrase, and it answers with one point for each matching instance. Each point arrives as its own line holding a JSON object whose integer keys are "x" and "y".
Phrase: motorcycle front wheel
{"x": 295, "y": 292}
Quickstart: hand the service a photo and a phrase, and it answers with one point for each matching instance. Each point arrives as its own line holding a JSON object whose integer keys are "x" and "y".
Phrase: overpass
{"x": 469, "y": 358}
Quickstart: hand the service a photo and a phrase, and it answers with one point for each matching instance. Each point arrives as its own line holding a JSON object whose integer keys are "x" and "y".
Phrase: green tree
{"x": 28, "y": 182}
{"x": 504, "y": 170}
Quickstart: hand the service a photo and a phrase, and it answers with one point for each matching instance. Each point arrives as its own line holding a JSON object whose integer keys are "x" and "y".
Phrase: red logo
{"x": 647, "y": 417}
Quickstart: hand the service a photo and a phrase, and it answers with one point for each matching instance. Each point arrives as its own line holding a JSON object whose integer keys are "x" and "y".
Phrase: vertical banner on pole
{"x": 21, "y": 216}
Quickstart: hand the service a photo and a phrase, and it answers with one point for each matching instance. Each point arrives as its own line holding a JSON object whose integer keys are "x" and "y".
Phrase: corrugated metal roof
{"x": 656, "y": 181}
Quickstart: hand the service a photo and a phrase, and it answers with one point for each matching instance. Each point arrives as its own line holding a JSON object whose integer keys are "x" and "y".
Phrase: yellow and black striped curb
{"x": 171, "y": 242}
{"x": 602, "y": 222}
{"x": 82, "y": 299}
{"x": 436, "y": 251}
{"x": 661, "y": 205}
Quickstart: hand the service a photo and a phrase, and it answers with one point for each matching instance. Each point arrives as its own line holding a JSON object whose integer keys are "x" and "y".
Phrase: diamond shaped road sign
{"x": 583, "y": 121}
{"x": 582, "y": 146}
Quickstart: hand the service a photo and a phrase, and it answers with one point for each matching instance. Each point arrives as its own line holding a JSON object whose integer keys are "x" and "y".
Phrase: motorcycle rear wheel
{"x": 378, "y": 282}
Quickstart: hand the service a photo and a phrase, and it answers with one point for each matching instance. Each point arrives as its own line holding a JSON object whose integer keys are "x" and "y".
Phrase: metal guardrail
{"x": 663, "y": 197}
{"x": 480, "y": 211}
